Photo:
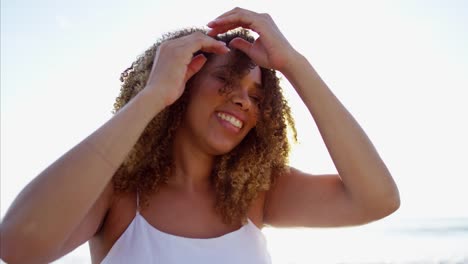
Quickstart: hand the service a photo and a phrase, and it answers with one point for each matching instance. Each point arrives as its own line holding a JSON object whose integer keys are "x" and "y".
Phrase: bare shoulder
{"x": 300, "y": 199}
{"x": 119, "y": 216}
{"x": 91, "y": 223}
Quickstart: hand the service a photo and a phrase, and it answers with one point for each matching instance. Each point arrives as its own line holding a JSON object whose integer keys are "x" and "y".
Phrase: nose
{"x": 241, "y": 98}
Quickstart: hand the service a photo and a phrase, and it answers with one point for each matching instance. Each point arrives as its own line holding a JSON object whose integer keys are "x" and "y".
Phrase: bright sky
{"x": 400, "y": 67}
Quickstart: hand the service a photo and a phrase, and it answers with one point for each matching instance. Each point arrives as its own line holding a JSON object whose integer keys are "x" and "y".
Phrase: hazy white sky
{"x": 400, "y": 67}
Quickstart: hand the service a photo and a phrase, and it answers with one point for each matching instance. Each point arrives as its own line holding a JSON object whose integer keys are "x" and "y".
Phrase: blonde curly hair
{"x": 238, "y": 176}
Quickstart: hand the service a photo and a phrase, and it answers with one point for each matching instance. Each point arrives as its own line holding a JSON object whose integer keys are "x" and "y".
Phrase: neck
{"x": 192, "y": 166}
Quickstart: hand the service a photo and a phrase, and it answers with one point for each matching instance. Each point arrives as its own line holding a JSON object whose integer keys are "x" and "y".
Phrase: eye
{"x": 221, "y": 78}
{"x": 256, "y": 99}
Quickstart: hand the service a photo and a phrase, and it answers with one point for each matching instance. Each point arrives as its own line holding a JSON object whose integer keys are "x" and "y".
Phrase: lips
{"x": 231, "y": 119}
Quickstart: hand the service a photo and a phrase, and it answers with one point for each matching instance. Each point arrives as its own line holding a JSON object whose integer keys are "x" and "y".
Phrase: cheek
{"x": 204, "y": 99}
{"x": 259, "y": 116}
{"x": 257, "y": 113}
{"x": 207, "y": 90}
{"x": 253, "y": 120}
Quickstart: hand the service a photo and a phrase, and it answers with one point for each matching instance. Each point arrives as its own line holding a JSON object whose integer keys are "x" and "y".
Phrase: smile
{"x": 231, "y": 119}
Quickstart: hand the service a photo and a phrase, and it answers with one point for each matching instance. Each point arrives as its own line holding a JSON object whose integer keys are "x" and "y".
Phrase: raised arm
{"x": 50, "y": 207}
{"x": 67, "y": 200}
{"x": 364, "y": 189}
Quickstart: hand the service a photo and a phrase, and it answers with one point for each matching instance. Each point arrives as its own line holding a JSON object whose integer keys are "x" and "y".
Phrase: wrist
{"x": 151, "y": 100}
{"x": 296, "y": 61}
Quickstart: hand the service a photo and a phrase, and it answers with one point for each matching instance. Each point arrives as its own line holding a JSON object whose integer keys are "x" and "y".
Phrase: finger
{"x": 194, "y": 66}
{"x": 241, "y": 44}
{"x": 200, "y": 41}
{"x": 221, "y": 29}
{"x": 227, "y": 13}
{"x": 232, "y": 11}
{"x": 245, "y": 20}
{"x": 218, "y": 48}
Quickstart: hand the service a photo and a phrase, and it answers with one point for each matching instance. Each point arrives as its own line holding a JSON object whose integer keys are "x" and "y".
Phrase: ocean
{"x": 415, "y": 241}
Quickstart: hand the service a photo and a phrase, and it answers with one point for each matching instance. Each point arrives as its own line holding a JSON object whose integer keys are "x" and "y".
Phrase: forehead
{"x": 227, "y": 62}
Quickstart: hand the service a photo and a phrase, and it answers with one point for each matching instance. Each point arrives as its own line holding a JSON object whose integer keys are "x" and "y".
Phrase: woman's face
{"x": 218, "y": 121}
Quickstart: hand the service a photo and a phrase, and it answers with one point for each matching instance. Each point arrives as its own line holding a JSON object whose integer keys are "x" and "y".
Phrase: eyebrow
{"x": 224, "y": 67}
{"x": 257, "y": 85}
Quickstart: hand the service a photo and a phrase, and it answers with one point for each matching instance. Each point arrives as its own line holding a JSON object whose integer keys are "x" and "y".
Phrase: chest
{"x": 189, "y": 217}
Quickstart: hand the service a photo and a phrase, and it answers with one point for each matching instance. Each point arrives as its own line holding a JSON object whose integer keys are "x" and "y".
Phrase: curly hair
{"x": 237, "y": 176}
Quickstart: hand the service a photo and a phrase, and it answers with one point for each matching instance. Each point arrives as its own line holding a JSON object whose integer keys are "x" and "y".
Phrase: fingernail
{"x": 210, "y": 32}
{"x": 214, "y": 21}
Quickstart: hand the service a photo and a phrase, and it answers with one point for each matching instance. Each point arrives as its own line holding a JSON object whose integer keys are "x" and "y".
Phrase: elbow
{"x": 396, "y": 201}
{"x": 16, "y": 254}
{"x": 390, "y": 206}
{"x": 385, "y": 207}
{"x": 11, "y": 250}
{"x": 392, "y": 202}
{"x": 10, "y": 253}
{"x": 385, "y": 201}
{"x": 377, "y": 208}
{"x": 16, "y": 247}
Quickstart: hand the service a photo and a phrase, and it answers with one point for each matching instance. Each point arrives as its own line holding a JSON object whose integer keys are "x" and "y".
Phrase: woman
{"x": 194, "y": 165}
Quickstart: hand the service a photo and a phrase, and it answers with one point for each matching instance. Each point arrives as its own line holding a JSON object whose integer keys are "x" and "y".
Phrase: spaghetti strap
{"x": 137, "y": 202}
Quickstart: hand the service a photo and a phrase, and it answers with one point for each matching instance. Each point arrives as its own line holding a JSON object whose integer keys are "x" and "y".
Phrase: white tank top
{"x": 143, "y": 243}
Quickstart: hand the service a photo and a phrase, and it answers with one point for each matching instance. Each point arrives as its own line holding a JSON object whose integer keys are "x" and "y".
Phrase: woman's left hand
{"x": 270, "y": 50}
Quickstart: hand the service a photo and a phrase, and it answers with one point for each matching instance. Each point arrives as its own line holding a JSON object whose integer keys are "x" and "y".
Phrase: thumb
{"x": 194, "y": 66}
{"x": 241, "y": 44}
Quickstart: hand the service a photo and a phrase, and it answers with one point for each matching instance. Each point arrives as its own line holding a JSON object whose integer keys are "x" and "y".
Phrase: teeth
{"x": 234, "y": 121}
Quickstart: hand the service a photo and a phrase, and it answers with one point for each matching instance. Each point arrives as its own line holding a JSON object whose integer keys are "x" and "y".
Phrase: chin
{"x": 221, "y": 148}
{"x": 221, "y": 151}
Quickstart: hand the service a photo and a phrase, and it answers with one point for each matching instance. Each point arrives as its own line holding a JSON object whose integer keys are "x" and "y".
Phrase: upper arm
{"x": 92, "y": 222}
{"x": 301, "y": 199}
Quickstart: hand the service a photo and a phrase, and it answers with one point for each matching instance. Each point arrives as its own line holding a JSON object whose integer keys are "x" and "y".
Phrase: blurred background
{"x": 400, "y": 67}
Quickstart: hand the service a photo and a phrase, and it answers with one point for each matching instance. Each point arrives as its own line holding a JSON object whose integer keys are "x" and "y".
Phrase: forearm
{"x": 55, "y": 202}
{"x": 364, "y": 174}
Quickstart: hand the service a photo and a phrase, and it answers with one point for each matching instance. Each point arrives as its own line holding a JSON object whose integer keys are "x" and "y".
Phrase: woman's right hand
{"x": 174, "y": 64}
